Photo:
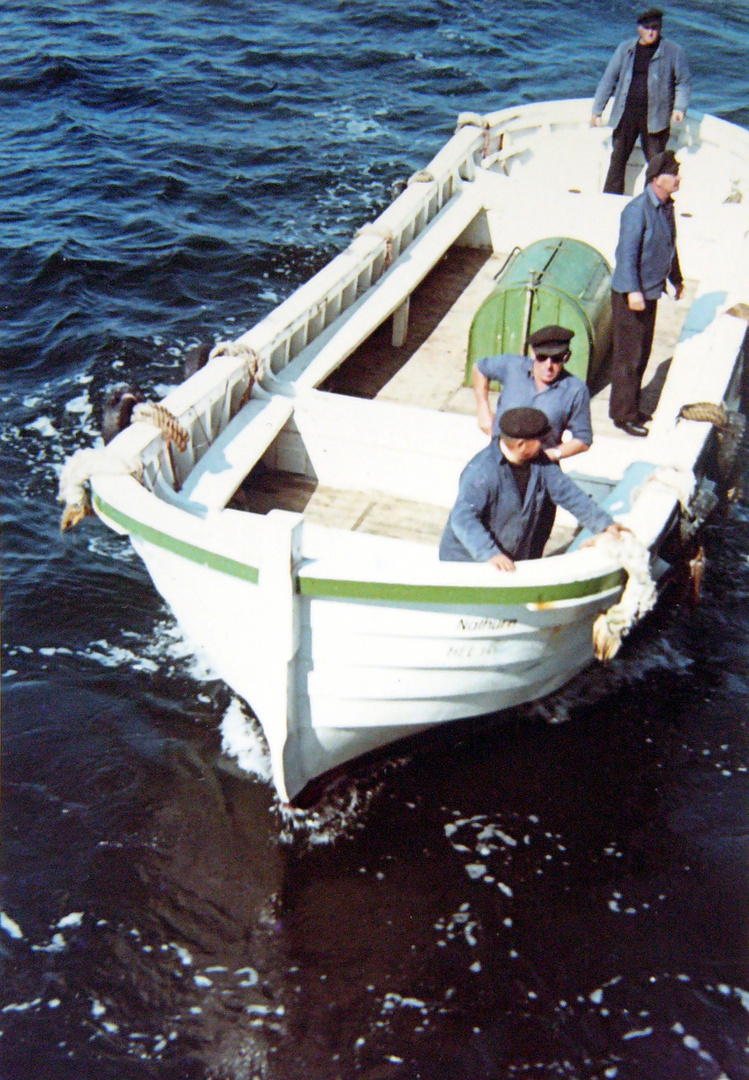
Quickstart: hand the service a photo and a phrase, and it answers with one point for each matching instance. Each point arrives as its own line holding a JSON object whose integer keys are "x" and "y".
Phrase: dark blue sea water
{"x": 536, "y": 899}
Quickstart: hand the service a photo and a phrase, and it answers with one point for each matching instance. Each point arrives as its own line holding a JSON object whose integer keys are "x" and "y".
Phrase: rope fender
{"x": 74, "y": 490}
{"x": 638, "y": 598}
{"x": 74, "y": 485}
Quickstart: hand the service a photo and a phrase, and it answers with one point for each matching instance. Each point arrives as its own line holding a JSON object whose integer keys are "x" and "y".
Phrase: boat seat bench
{"x": 244, "y": 440}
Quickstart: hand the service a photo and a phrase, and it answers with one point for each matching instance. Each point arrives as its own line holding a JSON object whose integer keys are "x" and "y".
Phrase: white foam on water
{"x": 80, "y": 406}
{"x": 115, "y": 656}
{"x": 242, "y": 740}
{"x": 640, "y": 1033}
{"x": 56, "y": 945}
{"x": 45, "y": 427}
{"x": 21, "y": 1006}
{"x": 185, "y": 956}
{"x": 162, "y": 389}
{"x": 75, "y": 918}
{"x": 10, "y": 926}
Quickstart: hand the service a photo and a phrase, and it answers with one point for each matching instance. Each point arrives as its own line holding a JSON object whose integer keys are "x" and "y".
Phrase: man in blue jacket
{"x": 539, "y": 381}
{"x": 651, "y": 84}
{"x": 501, "y": 493}
{"x": 646, "y": 257}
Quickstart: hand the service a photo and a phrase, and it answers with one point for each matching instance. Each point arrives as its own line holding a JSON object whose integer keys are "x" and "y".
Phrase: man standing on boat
{"x": 539, "y": 381}
{"x": 501, "y": 495}
{"x": 646, "y": 257}
{"x": 651, "y": 84}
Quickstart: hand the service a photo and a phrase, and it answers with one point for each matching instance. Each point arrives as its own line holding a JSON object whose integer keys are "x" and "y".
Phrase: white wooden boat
{"x": 295, "y": 535}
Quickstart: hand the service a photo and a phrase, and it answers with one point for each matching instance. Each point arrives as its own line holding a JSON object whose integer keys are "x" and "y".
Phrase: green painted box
{"x": 557, "y": 280}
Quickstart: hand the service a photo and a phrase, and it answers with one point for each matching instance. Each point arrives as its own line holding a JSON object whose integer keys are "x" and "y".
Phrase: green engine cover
{"x": 555, "y": 281}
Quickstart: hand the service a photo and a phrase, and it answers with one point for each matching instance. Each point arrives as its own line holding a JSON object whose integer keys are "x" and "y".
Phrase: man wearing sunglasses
{"x": 538, "y": 381}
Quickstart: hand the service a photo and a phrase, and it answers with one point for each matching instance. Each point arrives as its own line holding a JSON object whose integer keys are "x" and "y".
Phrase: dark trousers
{"x": 631, "y": 126}
{"x": 633, "y": 340}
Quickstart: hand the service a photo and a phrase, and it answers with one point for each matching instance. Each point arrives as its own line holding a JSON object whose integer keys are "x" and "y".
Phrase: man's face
{"x": 668, "y": 182}
{"x": 648, "y": 34}
{"x": 524, "y": 449}
{"x": 547, "y": 369}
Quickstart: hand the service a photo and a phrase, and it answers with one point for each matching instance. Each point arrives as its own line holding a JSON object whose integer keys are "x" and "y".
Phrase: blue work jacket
{"x": 566, "y": 402}
{"x": 669, "y": 83}
{"x": 488, "y": 516}
{"x": 646, "y": 252}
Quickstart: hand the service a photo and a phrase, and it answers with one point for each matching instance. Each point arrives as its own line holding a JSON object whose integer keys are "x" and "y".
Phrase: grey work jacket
{"x": 646, "y": 252}
{"x": 489, "y": 516}
{"x": 669, "y": 83}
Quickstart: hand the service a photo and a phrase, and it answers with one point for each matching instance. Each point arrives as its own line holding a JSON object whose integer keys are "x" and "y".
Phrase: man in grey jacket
{"x": 651, "y": 84}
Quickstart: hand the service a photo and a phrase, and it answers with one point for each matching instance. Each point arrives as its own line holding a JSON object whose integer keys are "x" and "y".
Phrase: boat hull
{"x": 366, "y": 673}
{"x": 343, "y": 641}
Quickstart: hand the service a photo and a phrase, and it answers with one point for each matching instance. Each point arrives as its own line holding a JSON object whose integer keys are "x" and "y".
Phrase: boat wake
{"x": 601, "y": 681}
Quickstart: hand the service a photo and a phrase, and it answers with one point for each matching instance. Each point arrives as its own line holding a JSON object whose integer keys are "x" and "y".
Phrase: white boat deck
{"x": 428, "y": 371}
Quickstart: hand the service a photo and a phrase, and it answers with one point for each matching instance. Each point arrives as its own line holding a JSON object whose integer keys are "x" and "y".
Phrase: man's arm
{"x": 484, "y": 413}
{"x": 682, "y": 84}
{"x": 607, "y": 83}
{"x": 578, "y": 424}
{"x": 466, "y": 516}
{"x": 568, "y": 495}
{"x": 627, "y": 271}
{"x": 566, "y": 449}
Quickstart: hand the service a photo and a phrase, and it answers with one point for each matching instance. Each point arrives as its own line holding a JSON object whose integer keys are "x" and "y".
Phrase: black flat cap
{"x": 664, "y": 162}
{"x": 551, "y": 340}
{"x": 650, "y": 19}
{"x": 524, "y": 423}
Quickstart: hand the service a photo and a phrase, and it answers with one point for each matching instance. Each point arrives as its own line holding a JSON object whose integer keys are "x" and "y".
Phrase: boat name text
{"x": 478, "y": 623}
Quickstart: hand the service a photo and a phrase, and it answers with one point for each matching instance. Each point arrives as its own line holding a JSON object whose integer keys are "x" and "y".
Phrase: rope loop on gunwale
{"x": 370, "y": 229}
{"x": 469, "y": 119}
{"x": 423, "y": 176}
{"x": 75, "y": 477}
{"x": 252, "y": 358}
{"x": 707, "y": 412}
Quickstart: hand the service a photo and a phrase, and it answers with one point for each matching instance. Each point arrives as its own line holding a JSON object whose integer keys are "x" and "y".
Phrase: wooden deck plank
{"x": 363, "y": 511}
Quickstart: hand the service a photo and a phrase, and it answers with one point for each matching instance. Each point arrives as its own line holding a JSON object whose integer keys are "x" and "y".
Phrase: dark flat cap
{"x": 524, "y": 423}
{"x": 664, "y": 162}
{"x": 551, "y": 340}
{"x": 650, "y": 19}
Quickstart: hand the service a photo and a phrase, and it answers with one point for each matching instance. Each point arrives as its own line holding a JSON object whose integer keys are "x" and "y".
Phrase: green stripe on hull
{"x": 458, "y": 594}
{"x": 192, "y": 552}
{"x": 399, "y": 592}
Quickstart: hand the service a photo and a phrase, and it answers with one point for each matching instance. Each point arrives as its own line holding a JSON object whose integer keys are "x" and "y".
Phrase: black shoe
{"x": 631, "y": 428}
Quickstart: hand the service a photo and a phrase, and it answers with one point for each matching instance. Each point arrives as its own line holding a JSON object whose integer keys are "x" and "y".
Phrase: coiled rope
{"x": 708, "y": 412}
{"x": 74, "y": 486}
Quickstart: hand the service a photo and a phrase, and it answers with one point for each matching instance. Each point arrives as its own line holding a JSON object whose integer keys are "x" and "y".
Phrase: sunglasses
{"x": 543, "y": 357}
